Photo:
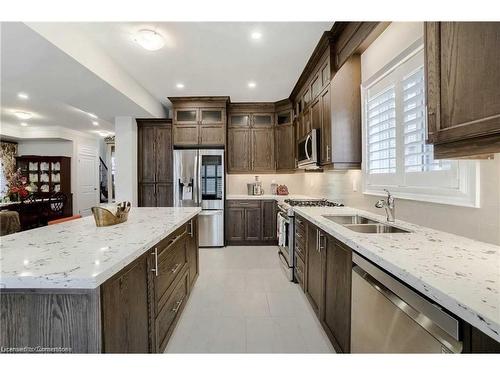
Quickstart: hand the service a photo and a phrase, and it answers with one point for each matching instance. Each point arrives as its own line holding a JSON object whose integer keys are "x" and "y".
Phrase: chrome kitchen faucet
{"x": 388, "y": 205}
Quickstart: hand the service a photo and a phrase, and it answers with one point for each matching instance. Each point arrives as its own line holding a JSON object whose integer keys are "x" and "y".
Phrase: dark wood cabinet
{"x": 314, "y": 278}
{"x": 147, "y": 194}
{"x": 269, "y": 220}
{"x": 253, "y": 224}
{"x": 462, "y": 62}
{"x": 155, "y": 174}
{"x": 345, "y": 125}
{"x": 250, "y": 222}
{"x": 263, "y": 150}
{"x": 235, "y": 224}
{"x": 238, "y": 150}
{"x": 146, "y": 155}
{"x": 285, "y": 148}
{"x": 328, "y": 266}
{"x": 336, "y": 311}
{"x": 125, "y": 314}
{"x": 325, "y": 127}
{"x": 251, "y": 143}
{"x": 193, "y": 253}
{"x": 199, "y": 121}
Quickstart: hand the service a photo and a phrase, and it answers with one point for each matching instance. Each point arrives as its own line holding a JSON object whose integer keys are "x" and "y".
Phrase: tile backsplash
{"x": 482, "y": 223}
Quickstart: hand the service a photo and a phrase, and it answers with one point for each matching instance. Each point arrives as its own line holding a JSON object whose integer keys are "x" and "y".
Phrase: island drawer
{"x": 168, "y": 243}
{"x": 244, "y": 203}
{"x": 170, "y": 265}
{"x": 164, "y": 322}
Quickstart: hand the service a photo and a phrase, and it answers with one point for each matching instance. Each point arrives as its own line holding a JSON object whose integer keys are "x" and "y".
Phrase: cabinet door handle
{"x": 321, "y": 237}
{"x": 177, "y": 305}
{"x": 298, "y": 235}
{"x": 155, "y": 270}
{"x": 175, "y": 268}
{"x": 327, "y": 152}
{"x": 190, "y": 230}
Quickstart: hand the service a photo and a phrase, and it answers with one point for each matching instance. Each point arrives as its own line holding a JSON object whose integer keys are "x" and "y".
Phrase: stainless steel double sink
{"x": 361, "y": 224}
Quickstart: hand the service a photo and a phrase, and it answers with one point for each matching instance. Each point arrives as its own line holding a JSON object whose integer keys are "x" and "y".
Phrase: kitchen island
{"x": 74, "y": 287}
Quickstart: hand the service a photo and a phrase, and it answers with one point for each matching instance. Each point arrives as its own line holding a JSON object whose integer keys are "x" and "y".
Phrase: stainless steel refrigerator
{"x": 199, "y": 182}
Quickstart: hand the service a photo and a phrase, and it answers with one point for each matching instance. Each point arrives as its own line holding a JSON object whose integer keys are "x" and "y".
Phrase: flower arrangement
{"x": 18, "y": 186}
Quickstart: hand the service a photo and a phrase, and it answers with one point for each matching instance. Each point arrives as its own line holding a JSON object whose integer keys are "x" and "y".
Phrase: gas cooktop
{"x": 312, "y": 203}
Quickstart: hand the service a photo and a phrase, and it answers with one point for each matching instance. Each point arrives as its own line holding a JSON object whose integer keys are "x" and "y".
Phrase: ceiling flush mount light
{"x": 91, "y": 115}
{"x": 95, "y": 123}
{"x": 252, "y": 85}
{"x": 180, "y": 85}
{"x": 24, "y": 124}
{"x": 149, "y": 39}
{"x": 23, "y": 115}
{"x": 23, "y": 96}
{"x": 256, "y": 35}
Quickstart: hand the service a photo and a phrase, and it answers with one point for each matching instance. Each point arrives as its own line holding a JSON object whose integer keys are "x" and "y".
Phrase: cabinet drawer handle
{"x": 155, "y": 253}
{"x": 298, "y": 221}
{"x": 177, "y": 305}
{"x": 175, "y": 268}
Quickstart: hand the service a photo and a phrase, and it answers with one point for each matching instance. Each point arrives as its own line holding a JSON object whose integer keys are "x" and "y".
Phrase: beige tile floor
{"x": 243, "y": 303}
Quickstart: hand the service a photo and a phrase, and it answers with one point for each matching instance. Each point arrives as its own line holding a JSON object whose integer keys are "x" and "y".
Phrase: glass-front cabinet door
{"x": 212, "y": 116}
{"x": 239, "y": 119}
{"x": 186, "y": 116}
{"x": 263, "y": 119}
{"x": 284, "y": 118}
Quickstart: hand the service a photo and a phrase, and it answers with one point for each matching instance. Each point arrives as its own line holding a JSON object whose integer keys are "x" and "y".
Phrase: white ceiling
{"x": 61, "y": 91}
{"x": 208, "y": 58}
{"x": 213, "y": 58}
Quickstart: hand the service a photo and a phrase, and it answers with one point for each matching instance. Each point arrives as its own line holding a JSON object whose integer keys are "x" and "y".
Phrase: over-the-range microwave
{"x": 308, "y": 151}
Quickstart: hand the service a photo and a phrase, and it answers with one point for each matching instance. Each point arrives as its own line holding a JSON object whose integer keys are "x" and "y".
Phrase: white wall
{"x": 126, "y": 159}
{"x": 43, "y": 147}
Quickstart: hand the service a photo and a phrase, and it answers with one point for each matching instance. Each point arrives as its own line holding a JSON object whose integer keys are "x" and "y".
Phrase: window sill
{"x": 448, "y": 199}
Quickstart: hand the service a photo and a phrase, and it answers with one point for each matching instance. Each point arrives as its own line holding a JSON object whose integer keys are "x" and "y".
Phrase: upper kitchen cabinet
{"x": 463, "y": 88}
{"x": 251, "y": 145}
{"x": 327, "y": 95}
{"x": 199, "y": 121}
{"x": 284, "y": 137}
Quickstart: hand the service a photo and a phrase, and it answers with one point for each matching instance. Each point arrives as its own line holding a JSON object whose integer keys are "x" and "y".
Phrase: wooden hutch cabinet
{"x": 199, "y": 121}
{"x": 46, "y": 174}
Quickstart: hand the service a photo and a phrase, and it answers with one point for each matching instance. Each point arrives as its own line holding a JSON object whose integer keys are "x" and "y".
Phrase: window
{"x": 396, "y": 156}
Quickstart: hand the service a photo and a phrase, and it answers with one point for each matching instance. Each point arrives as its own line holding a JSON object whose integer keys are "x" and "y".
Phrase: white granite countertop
{"x": 460, "y": 274}
{"x": 77, "y": 254}
{"x": 278, "y": 198}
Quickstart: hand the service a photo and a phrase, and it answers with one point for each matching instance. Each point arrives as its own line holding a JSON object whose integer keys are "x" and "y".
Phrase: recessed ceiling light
{"x": 23, "y": 115}
{"x": 24, "y": 124}
{"x": 92, "y": 115}
{"x": 252, "y": 85}
{"x": 149, "y": 39}
{"x": 256, "y": 35}
{"x": 180, "y": 85}
{"x": 22, "y": 95}
{"x": 95, "y": 123}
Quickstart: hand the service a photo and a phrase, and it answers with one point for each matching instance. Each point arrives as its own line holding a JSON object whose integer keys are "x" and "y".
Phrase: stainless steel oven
{"x": 308, "y": 150}
{"x": 285, "y": 242}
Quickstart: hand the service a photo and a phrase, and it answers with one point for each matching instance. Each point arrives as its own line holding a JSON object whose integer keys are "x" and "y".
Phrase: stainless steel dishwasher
{"x": 388, "y": 317}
